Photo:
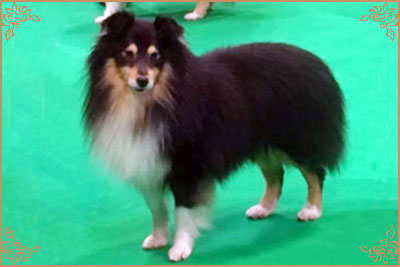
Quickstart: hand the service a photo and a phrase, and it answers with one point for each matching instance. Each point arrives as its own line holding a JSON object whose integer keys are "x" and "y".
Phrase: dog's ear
{"x": 117, "y": 23}
{"x": 168, "y": 28}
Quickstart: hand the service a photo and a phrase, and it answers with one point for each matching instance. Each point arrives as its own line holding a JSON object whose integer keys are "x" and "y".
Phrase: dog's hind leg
{"x": 199, "y": 12}
{"x": 313, "y": 208}
{"x": 273, "y": 174}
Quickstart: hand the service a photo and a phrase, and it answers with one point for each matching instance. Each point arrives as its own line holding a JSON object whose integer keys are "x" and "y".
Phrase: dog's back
{"x": 265, "y": 95}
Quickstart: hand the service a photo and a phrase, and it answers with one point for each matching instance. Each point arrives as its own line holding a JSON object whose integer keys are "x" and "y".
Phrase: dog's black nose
{"x": 142, "y": 81}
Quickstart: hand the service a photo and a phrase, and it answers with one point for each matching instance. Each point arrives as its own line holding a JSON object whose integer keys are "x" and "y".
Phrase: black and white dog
{"x": 166, "y": 119}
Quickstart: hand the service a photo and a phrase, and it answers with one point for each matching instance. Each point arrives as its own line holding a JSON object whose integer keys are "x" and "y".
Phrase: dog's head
{"x": 138, "y": 48}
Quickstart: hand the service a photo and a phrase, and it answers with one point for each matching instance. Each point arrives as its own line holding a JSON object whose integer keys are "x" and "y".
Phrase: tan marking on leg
{"x": 271, "y": 168}
{"x": 273, "y": 188}
{"x": 313, "y": 207}
{"x": 199, "y": 12}
{"x": 201, "y": 8}
{"x": 314, "y": 188}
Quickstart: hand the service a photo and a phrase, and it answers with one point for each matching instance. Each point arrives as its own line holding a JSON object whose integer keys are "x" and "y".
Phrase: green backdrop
{"x": 56, "y": 197}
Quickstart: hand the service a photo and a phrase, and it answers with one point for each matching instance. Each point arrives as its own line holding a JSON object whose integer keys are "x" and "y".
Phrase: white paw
{"x": 179, "y": 252}
{"x": 193, "y": 16}
{"x": 309, "y": 212}
{"x": 258, "y": 212}
{"x": 152, "y": 242}
{"x": 100, "y": 19}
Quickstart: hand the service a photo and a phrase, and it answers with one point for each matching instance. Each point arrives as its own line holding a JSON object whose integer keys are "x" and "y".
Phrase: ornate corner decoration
{"x": 14, "y": 16}
{"x": 384, "y": 15}
{"x": 14, "y": 250}
{"x": 386, "y": 250}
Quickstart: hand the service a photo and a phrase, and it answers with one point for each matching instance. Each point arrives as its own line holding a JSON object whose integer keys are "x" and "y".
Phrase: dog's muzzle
{"x": 140, "y": 84}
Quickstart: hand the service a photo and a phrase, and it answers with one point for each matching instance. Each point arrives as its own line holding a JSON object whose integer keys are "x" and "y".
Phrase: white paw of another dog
{"x": 153, "y": 242}
{"x": 258, "y": 212}
{"x": 179, "y": 252}
{"x": 100, "y": 19}
{"x": 193, "y": 16}
{"x": 308, "y": 213}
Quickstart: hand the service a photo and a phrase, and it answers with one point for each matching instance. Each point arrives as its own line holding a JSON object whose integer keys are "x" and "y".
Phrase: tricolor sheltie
{"x": 166, "y": 119}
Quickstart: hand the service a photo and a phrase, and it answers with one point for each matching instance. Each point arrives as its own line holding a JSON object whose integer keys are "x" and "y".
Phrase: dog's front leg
{"x": 154, "y": 197}
{"x": 192, "y": 205}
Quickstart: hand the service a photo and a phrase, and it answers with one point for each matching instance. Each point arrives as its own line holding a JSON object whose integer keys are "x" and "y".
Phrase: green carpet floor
{"x": 54, "y": 196}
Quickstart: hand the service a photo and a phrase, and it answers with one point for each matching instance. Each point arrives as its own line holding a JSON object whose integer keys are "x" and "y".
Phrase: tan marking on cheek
{"x": 152, "y": 49}
{"x": 119, "y": 90}
{"x": 161, "y": 91}
{"x": 152, "y": 74}
{"x": 133, "y": 48}
{"x": 129, "y": 72}
{"x": 112, "y": 76}
{"x": 122, "y": 102}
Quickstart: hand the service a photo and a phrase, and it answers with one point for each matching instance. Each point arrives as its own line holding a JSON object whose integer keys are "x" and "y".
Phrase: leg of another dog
{"x": 111, "y": 8}
{"x": 191, "y": 214}
{"x": 156, "y": 202}
{"x": 313, "y": 208}
{"x": 199, "y": 12}
{"x": 274, "y": 177}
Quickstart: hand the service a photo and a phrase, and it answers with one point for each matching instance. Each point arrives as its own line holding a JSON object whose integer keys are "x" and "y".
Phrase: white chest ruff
{"x": 136, "y": 157}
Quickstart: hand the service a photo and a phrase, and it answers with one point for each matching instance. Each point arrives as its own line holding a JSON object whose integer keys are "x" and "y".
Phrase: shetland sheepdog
{"x": 166, "y": 119}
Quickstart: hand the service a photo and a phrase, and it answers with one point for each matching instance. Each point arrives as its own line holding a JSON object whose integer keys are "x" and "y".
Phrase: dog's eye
{"x": 128, "y": 54}
{"x": 154, "y": 57}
